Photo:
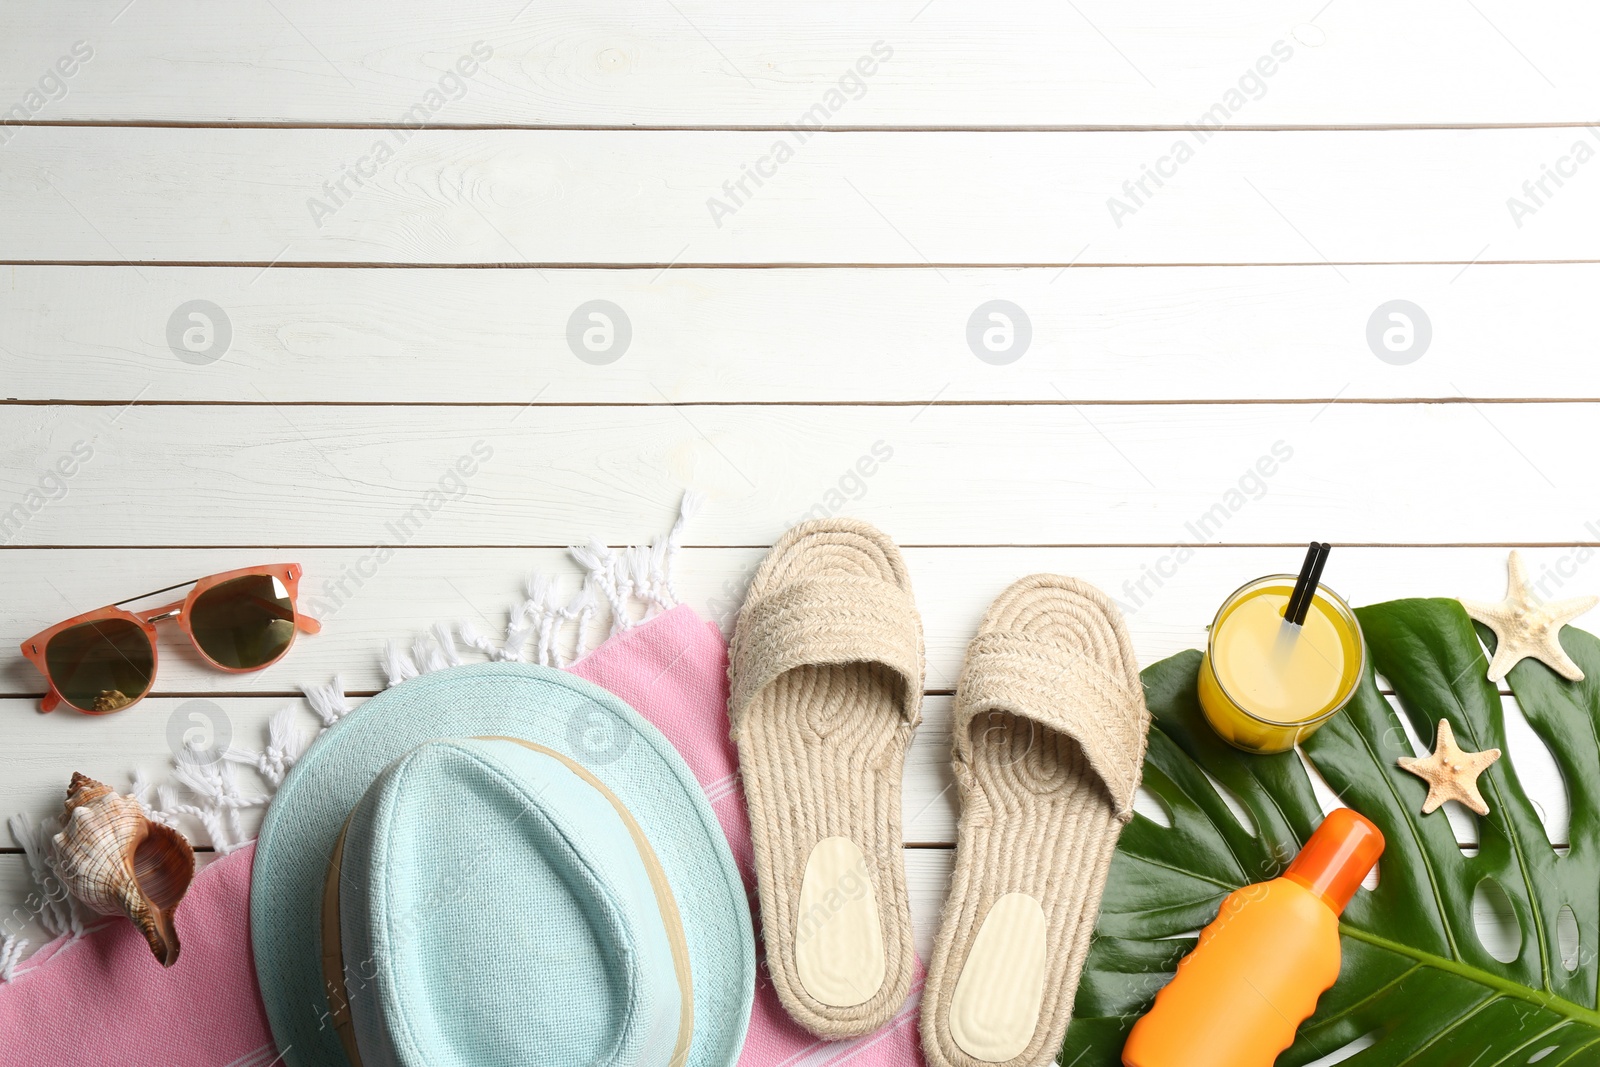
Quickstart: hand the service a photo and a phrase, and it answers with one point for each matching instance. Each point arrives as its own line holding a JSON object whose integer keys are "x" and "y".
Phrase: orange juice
{"x": 1257, "y": 971}
{"x": 1266, "y": 684}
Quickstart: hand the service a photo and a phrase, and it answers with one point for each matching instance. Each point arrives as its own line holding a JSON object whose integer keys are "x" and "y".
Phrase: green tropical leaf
{"x": 1418, "y": 986}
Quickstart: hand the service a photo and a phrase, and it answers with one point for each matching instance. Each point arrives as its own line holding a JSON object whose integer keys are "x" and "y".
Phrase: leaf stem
{"x": 1504, "y": 986}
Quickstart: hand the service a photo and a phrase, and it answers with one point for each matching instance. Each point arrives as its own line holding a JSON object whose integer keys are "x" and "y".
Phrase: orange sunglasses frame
{"x": 287, "y": 573}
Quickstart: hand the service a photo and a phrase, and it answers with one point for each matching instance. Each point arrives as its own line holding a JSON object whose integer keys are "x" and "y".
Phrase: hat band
{"x": 671, "y": 919}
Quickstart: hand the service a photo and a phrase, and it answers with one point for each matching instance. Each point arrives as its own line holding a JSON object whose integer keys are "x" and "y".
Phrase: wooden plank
{"x": 46, "y": 750}
{"x": 951, "y": 62}
{"x": 420, "y": 587}
{"x": 43, "y": 752}
{"x": 362, "y": 476}
{"x": 847, "y": 335}
{"x": 552, "y": 197}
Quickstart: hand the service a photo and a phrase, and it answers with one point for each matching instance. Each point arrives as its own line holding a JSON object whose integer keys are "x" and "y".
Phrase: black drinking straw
{"x": 1305, "y": 587}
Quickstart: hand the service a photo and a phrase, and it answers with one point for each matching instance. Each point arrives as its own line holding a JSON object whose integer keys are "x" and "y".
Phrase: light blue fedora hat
{"x": 499, "y": 864}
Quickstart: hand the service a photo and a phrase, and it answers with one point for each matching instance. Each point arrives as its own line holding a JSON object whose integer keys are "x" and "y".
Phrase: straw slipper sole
{"x": 825, "y": 672}
{"x": 1049, "y": 738}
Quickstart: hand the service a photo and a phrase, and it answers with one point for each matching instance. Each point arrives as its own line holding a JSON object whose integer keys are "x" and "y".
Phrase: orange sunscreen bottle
{"x": 1258, "y": 969}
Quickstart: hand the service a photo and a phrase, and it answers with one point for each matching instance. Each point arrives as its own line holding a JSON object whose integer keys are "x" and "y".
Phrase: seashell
{"x": 118, "y": 862}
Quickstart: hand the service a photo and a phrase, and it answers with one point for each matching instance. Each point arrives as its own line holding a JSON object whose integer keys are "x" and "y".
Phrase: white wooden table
{"x": 1198, "y": 217}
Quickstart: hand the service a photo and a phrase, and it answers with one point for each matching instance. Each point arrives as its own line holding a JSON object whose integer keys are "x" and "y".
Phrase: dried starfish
{"x": 1451, "y": 773}
{"x": 1525, "y": 627}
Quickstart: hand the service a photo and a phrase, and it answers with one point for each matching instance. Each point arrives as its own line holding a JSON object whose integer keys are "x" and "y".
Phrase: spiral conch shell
{"x": 118, "y": 862}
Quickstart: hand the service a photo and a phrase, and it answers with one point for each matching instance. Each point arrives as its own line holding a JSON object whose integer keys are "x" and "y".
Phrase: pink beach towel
{"x": 102, "y": 1000}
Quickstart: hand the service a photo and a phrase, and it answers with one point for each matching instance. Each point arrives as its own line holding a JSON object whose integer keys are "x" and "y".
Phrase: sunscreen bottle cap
{"x": 1336, "y": 859}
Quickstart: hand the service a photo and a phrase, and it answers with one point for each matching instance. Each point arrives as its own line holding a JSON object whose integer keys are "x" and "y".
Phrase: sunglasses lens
{"x": 101, "y": 666}
{"x": 244, "y": 623}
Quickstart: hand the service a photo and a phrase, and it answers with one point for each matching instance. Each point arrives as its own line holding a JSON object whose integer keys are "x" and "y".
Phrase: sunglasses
{"x": 105, "y": 660}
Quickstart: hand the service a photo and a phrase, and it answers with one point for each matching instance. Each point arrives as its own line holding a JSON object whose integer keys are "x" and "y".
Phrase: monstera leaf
{"x": 1418, "y": 986}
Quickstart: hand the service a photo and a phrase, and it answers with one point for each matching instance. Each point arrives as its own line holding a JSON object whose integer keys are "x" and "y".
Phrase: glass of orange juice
{"x": 1266, "y": 685}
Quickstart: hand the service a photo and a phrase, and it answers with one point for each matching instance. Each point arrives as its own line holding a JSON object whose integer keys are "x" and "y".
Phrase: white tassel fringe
{"x": 620, "y": 581}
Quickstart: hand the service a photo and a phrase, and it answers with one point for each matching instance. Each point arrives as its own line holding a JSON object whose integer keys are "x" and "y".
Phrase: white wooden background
{"x": 775, "y": 344}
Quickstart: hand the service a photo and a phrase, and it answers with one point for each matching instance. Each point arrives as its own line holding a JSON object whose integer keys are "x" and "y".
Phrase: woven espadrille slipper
{"x": 825, "y": 673}
{"x": 1049, "y": 739}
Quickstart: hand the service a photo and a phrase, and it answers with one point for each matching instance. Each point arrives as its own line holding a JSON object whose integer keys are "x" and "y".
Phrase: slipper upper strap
{"x": 1036, "y": 678}
{"x": 825, "y": 620}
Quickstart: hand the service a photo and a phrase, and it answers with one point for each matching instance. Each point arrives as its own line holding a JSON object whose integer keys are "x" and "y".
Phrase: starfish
{"x": 1451, "y": 774}
{"x": 1525, "y": 627}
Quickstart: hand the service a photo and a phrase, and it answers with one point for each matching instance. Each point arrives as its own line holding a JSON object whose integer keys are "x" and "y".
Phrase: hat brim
{"x": 537, "y": 704}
